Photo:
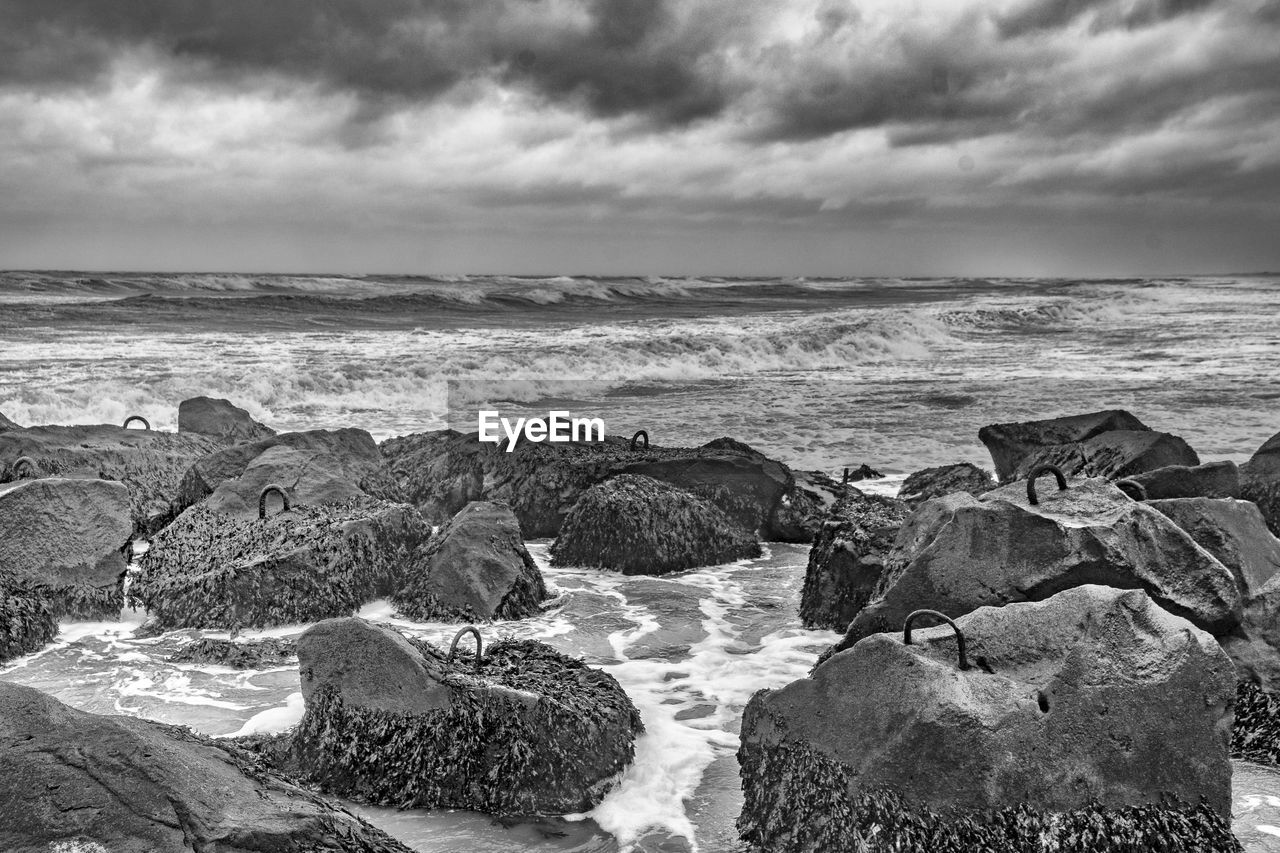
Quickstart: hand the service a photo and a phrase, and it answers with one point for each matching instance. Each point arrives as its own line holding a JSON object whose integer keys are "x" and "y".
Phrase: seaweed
{"x": 255, "y": 654}
{"x": 799, "y": 799}
{"x": 1255, "y": 734}
{"x": 27, "y": 623}
{"x": 556, "y": 746}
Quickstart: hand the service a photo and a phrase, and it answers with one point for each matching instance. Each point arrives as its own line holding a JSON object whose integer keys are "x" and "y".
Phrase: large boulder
{"x": 1110, "y": 444}
{"x": 641, "y": 526}
{"x": 210, "y": 570}
{"x": 803, "y": 507}
{"x": 219, "y": 418}
{"x": 1233, "y": 531}
{"x": 311, "y": 476}
{"x": 847, "y": 559}
{"x": 945, "y": 480}
{"x": 149, "y": 463}
{"x": 958, "y": 553}
{"x": 442, "y": 471}
{"x": 1093, "y": 721}
{"x": 476, "y": 568}
{"x": 6, "y": 424}
{"x": 527, "y": 731}
{"x": 1210, "y": 480}
{"x": 1260, "y": 481}
{"x": 347, "y": 455}
{"x": 1254, "y": 645}
{"x": 26, "y": 622}
{"x": 73, "y": 781}
{"x": 64, "y": 540}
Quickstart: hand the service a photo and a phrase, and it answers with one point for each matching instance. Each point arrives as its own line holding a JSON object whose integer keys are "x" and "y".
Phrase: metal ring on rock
{"x": 960, "y": 645}
{"x": 262, "y": 498}
{"x": 25, "y": 462}
{"x": 1044, "y": 469}
{"x": 145, "y": 423}
{"x": 1132, "y": 488}
{"x": 639, "y": 435}
{"x": 453, "y": 647}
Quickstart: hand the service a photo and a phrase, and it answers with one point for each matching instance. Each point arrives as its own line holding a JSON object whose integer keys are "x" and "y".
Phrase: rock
{"x": 210, "y": 570}
{"x": 63, "y": 540}
{"x": 847, "y": 558}
{"x": 1255, "y": 733}
{"x": 348, "y": 455}
{"x": 1232, "y": 531}
{"x": 26, "y": 622}
{"x": 862, "y": 472}
{"x": 802, "y": 508}
{"x": 245, "y": 654}
{"x": 1094, "y": 717}
{"x": 73, "y": 781}
{"x": 958, "y": 553}
{"x": 442, "y": 471}
{"x": 219, "y": 418}
{"x": 640, "y": 526}
{"x": 6, "y": 424}
{"x": 532, "y": 732}
{"x": 476, "y": 568}
{"x": 149, "y": 463}
{"x": 1254, "y": 645}
{"x": 1260, "y": 481}
{"x": 310, "y": 476}
{"x": 1110, "y": 444}
{"x": 945, "y": 480}
{"x": 1210, "y": 480}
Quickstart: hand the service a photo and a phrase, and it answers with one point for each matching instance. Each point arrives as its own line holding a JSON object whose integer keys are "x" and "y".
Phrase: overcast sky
{"x": 837, "y": 137}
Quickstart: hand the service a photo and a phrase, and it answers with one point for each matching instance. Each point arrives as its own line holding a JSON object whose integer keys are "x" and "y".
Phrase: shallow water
{"x": 689, "y": 649}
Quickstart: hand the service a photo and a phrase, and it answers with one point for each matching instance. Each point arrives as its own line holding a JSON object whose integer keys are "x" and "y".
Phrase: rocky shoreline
{"x": 1118, "y": 597}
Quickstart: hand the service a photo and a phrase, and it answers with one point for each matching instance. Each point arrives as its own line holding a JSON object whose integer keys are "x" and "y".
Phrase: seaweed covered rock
{"x": 349, "y": 456}
{"x": 1255, "y": 733}
{"x": 27, "y": 623}
{"x": 442, "y": 471}
{"x": 476, "y": 568}
{"x": 210, "y": 570}
{"x": 1210, "y": 480}
{"x": 957, "y": 553}
{"x": 148, "y": 462}
{"x": 640, "y": 526}
{"x": 804, "y": 505}
{"x": 71, "y": 780}
{"x": 1110, "y": 444}
{"x": 527, "y": 731}
{"x": 1260, "y": 481}
{"x": 1094, "y": 709}
{"x": 219, "y": 418}
{"x": 237, "y": 654}
{"x": 945, "y": 480}
{"x": 847, "y": 559}
{"x": 64, "y": 541}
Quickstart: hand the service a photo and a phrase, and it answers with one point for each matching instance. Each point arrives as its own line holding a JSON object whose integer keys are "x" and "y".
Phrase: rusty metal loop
{"x": 960, "y": 645}
{"x": 145, "y": 423}
{"x": 453, "y": 647}
{"x": 1132, "y": 488}
{"x": 262, "y": 498}
{"x": 1044, "y": 469}
{"x": 639, "y": 435}
{"x": 25, "y": 462}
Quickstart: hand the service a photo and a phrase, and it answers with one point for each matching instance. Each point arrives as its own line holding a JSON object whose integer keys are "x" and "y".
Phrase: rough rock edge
{"x": 797, "y": 800}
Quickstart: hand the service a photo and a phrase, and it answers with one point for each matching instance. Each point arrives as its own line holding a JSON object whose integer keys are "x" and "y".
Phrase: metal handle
{"x": 262, "y": 498}
{"x": 145, "y": 423}
{"x": 25, "y": 462}
{"x": 906, "y": 632}
{"x": 1044, "y": 469}
{"x": 453, "y": 647}
{"x": 639, "y": 435}
{"x": 1132, "y": 488}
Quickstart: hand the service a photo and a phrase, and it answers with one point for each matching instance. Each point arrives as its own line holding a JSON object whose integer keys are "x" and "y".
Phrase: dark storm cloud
{"x": 1041, "y": 15}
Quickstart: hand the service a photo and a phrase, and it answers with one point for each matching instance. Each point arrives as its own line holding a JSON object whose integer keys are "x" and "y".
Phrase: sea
{"x": 820, "y": 373}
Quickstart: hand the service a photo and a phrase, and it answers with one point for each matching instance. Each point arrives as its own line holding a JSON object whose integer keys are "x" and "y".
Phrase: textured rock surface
{"x": 475, "y": 568}
{"x": 249, "y": 654}
{"x": 388, "y": 721}
{"x": 349, "y": 454}
{"x": 1210, "y": 480}
{"x": 26, "y": 622}
{"x": 442, "y": 471}
{"x": 946, "y": 480}
{"x": 1260, "y": 481}
{"x": 219, "y": 418}
{"x": 63, "y": 539}
{"x": 640, "y": 526}
{"x": 847, "y": 559}
{"x": 1109, "y": 444}
{"x": 209, "y": 570}
{"x": 148, "y": 462}
{"x": 309, "y": 476}
{"x": 1233, "y": 531}
{"x": 135, "y": 786}
{"x": 5, "y": 423}
{"x": 958, "y": 553}
{"x": 1094, "y": 699}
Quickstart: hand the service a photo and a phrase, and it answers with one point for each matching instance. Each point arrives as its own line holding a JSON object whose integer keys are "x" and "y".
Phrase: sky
{"x": 723, "y": 137}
